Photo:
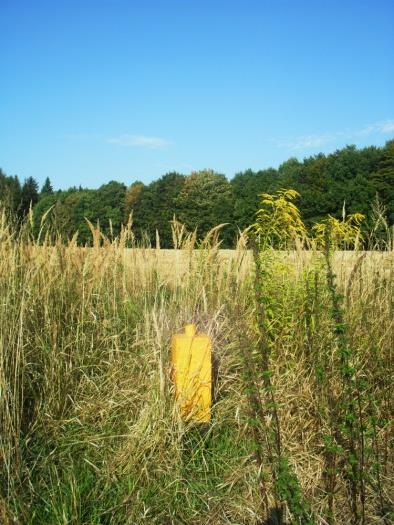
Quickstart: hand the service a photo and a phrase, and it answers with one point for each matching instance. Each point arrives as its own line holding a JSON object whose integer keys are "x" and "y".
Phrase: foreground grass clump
{"x": 90, "y": 433}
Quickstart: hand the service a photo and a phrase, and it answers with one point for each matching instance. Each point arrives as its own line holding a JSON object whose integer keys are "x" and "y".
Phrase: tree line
{"x": 348, "y": 177}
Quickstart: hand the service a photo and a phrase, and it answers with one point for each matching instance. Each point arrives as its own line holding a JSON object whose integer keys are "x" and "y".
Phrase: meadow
{"x": 301, "y": 428}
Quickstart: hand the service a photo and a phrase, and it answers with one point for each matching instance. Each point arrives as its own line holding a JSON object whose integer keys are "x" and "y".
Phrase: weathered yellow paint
{"x": 192, "y": 374}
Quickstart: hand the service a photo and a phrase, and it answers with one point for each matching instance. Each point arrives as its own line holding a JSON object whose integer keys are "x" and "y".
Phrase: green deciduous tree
{"x": 383, "y": 179}
{"x": 70, "y": 209}
{"x": 205, "y": 201}
{"x": 155, "y": 207}
{"x": 132, "y": 198}
{"x": 246, "y": 187}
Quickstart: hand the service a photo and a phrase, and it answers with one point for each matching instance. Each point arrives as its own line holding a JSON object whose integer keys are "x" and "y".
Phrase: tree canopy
{"x": 348, "y": 177}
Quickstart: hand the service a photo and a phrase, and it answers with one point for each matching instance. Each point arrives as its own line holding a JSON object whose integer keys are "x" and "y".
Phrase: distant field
{"x": 173, "y": 264}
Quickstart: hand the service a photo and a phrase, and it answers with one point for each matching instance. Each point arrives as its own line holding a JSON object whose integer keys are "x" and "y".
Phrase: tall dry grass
{"x": 89, "y": 431}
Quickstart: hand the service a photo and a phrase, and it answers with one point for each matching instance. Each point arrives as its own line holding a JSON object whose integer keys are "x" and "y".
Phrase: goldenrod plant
{"x": 341, "y": 234}
{"x": 278, "y": 220}
{"x": 278, "y": 224}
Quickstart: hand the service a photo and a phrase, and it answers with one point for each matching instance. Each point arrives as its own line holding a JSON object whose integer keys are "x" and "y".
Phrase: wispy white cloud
{"x": 139, "y": 141}
{"x": 306, "y": 142}
{"x": 385, "y": 126}
{"x": 316, "y": 141}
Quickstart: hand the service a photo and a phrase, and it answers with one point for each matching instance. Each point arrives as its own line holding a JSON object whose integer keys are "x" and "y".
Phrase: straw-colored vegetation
{"x": 90, "y": 433}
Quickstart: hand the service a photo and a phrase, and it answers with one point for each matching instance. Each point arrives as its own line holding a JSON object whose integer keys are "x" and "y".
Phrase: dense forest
{"x": 352, "y": 177}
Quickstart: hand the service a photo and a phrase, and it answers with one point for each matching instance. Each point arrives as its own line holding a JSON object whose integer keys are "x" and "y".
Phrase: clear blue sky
{"x": 94, "y": 90}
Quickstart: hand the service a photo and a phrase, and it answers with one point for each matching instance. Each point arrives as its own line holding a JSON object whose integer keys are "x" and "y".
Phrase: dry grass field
{"x": 172, "y": 265}
{"x": 90, "y": 432}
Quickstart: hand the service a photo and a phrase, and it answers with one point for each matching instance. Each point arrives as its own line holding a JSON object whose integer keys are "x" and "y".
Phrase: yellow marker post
{"x": 192, "y": 374}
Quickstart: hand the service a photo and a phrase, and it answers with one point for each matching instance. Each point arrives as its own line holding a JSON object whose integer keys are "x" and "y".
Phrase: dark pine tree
{"x": 47, "y": 188}
{"x": 29, "y": 196}
{"x": 10, "y": 191}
